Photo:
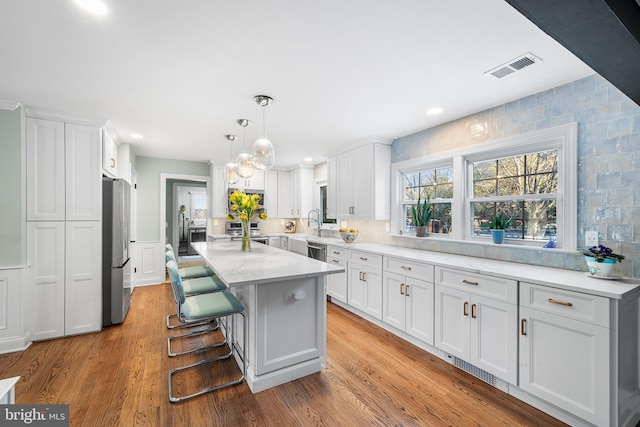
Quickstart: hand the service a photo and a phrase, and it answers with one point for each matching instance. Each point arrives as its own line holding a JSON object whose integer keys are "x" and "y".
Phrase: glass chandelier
{"x": 230, "y": 174}
{"x": 245, "y": 160}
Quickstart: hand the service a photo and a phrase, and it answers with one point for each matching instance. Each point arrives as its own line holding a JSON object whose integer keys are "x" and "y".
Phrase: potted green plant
{"x": 497, "y": 226}
{"x": 601, "y": 260}
{"x": 421, "y": 215}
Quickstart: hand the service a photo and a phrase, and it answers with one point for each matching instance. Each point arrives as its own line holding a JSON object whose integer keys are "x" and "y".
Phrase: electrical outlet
{"x": 591, "y": 238}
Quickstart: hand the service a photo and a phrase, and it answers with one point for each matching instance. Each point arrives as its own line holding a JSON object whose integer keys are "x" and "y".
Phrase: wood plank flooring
{"x": 118, "y": 377}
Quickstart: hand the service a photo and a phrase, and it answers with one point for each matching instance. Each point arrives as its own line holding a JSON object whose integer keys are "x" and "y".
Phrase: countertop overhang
{"x": 263, "y": 264}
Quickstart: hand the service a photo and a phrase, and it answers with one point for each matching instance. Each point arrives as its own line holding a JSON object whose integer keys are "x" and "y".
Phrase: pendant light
{"x": 244, "y": 161}
{"x": 230, "y": 174}
{"x": 264, "y": 156}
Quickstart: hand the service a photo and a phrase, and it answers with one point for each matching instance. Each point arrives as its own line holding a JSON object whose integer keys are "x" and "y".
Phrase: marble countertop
{"x": 559, "y": 278}
{"x": 263, "y": 264}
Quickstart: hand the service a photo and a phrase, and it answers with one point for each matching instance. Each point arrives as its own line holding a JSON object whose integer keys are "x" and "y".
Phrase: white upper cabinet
{"x": 256, "y": 182}
{"x": 302, "y": 179}
{"x": 218, "y": 197}
{"x": 332, "y": 187}
{"x": 271, "y": 193}
{"x": 362, "y": 182}
{"x": 109, "y": 152}
{"x": 285, "y": 195}
{"x": 45, "y": 166}
{"x": 64, "y": 171}
{"x": 83, "y": 176}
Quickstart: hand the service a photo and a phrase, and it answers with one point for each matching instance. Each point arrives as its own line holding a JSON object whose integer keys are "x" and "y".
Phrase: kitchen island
{"x": 284, "y": 297}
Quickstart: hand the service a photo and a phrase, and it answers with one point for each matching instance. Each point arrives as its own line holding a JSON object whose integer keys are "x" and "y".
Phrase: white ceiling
{"x": 182, "y": 72}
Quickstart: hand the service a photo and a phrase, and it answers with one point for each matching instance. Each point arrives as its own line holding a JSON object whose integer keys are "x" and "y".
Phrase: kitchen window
{"x": 530, "y": 178}
{"x": 435, "y": 184}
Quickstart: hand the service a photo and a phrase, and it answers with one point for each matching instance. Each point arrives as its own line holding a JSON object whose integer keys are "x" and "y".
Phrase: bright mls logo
{"x": 35, "y": 415}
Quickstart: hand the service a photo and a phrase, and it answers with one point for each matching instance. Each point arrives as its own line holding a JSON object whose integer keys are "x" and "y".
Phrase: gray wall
{"x": 13, "y": 215}
{"x": 608, "y": 164}
{"x": 149, "y": 170}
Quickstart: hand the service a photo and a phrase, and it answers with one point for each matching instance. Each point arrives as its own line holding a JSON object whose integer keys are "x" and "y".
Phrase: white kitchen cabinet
{"x": 285, "y": 195}
{"x": 476, "y": 320}
{"x": 64, "y": 205}
{"x": 332, "y": 187}
{"x": 271, "y": 193}
{"x": 337, "y": 283}
{"x": 46, "y": 256}
{"x": 46, "y": 171}
{"x": 83, "y": 277}
{"x": 255, "y": 182}
{"x": 363, "y": 177}
{"x": 109, "y": 152}
{"x": 302, "y": 181}
{"x": 408, "y": 297}
{"x": 565, "y": 351}
{"x": 219, "y": 201}
{"x": 64, "y": 179}
{"x": 83, "y": 178}
{"x": 364, "y": 282}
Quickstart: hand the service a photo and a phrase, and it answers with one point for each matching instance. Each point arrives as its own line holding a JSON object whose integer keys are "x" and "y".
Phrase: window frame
{"x": 563, "y": 138}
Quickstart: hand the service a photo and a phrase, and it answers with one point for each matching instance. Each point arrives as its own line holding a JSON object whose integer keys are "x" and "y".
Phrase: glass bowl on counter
{"x": 349, "y": 236}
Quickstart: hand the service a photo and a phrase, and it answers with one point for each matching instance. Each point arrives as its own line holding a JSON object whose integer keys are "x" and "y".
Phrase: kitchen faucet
{"x": 316, "y": 220}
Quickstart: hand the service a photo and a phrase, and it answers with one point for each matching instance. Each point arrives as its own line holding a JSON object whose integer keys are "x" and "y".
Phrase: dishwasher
{"x": 317, "y": 251}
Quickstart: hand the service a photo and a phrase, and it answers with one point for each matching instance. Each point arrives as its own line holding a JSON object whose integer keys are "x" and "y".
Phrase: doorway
{"x": 189, "y": 210}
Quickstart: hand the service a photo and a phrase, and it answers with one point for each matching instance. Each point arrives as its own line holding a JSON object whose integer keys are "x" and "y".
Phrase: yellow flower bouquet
{"x": 244, "y": 207}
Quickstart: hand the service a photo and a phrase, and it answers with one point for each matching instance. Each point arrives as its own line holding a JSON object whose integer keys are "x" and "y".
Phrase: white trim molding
{"x": 9, "y": 105}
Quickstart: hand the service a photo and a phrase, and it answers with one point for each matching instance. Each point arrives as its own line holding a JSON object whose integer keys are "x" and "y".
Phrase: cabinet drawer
{"x": 334, "y": 252}
{"x": 479, "y": 284}
{"x": 365, "y": 258}
{"x": 575, "y": 305}
{"x": 409, "y": 268}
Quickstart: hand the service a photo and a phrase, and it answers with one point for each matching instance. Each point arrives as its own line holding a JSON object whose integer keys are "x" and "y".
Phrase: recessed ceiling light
{"x": 136, "y": 136}
{"x": 433, "y": 111}
{"x": 95, "y": 7}
{"x": 308, "y": 159}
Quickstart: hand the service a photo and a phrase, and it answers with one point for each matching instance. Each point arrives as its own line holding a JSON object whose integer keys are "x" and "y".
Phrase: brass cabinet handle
{"x": 336, "y": 253}
{"x": 360, "y": 275}
{"x": 404, "y": 267}
{"x": 406, "y": 290}
{"x": 335, "y": 261}
{"x": 401, "y": 288}
{"x": 555, "y": 301}
{"x": 113, "y": 162}
{"x": 523, "y": 324}
{"x": 465, "y": 308}
{"x": 364, "y": 276}
{"x": 469, "y": 282}
{"x": 363, "y": 258}
{"x": 473, "y": 311}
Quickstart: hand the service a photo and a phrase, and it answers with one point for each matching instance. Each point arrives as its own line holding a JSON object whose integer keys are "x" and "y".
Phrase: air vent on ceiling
{"x": 513, "y": 66}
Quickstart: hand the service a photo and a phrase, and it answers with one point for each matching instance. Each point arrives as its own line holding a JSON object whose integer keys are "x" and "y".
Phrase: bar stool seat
{"x": 189, "y": 272}
{"x": 200, "y": 285}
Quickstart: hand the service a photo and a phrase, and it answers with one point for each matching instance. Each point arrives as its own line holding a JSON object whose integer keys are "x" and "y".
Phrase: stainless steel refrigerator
{"x": 116, "y": 266}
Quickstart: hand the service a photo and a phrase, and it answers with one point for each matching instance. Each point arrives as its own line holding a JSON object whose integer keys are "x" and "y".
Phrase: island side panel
{"x": 290, "y": 323}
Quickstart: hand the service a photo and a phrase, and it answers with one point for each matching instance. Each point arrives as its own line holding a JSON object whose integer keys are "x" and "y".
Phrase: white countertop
{"x": 263, "y": 264}
{"x": 560, "y": 278}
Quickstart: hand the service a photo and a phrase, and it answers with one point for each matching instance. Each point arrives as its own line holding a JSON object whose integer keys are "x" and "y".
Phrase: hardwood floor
{"x": 118, "y": 377}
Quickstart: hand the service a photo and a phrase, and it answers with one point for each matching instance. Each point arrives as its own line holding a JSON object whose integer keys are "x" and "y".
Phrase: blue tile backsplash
{"x": 608, "y": 165}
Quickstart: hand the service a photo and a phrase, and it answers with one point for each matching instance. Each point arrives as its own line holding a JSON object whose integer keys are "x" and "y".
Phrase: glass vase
{"x": 246, "y": 237}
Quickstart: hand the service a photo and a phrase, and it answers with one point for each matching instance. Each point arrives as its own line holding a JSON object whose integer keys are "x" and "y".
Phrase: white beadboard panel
{"x": 148, "y": 263}
{"x": 13, "y": 334}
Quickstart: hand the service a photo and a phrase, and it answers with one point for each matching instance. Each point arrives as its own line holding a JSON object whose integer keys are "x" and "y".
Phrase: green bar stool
{"x": 210, "y": 307}
{"x": 189, "y": 272}
{"x": 197, "y": 286}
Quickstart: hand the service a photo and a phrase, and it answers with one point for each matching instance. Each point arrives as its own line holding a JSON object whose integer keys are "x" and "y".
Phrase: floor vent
{"x": 513, "y": 66}
{"x": 474, "y": 370}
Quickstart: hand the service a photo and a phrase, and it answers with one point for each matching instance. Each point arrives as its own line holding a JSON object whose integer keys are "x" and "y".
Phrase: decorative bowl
{"x": 348, "y": 236}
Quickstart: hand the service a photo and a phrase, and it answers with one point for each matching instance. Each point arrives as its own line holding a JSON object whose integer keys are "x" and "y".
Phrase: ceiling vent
{"x": 513, "y": 66}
